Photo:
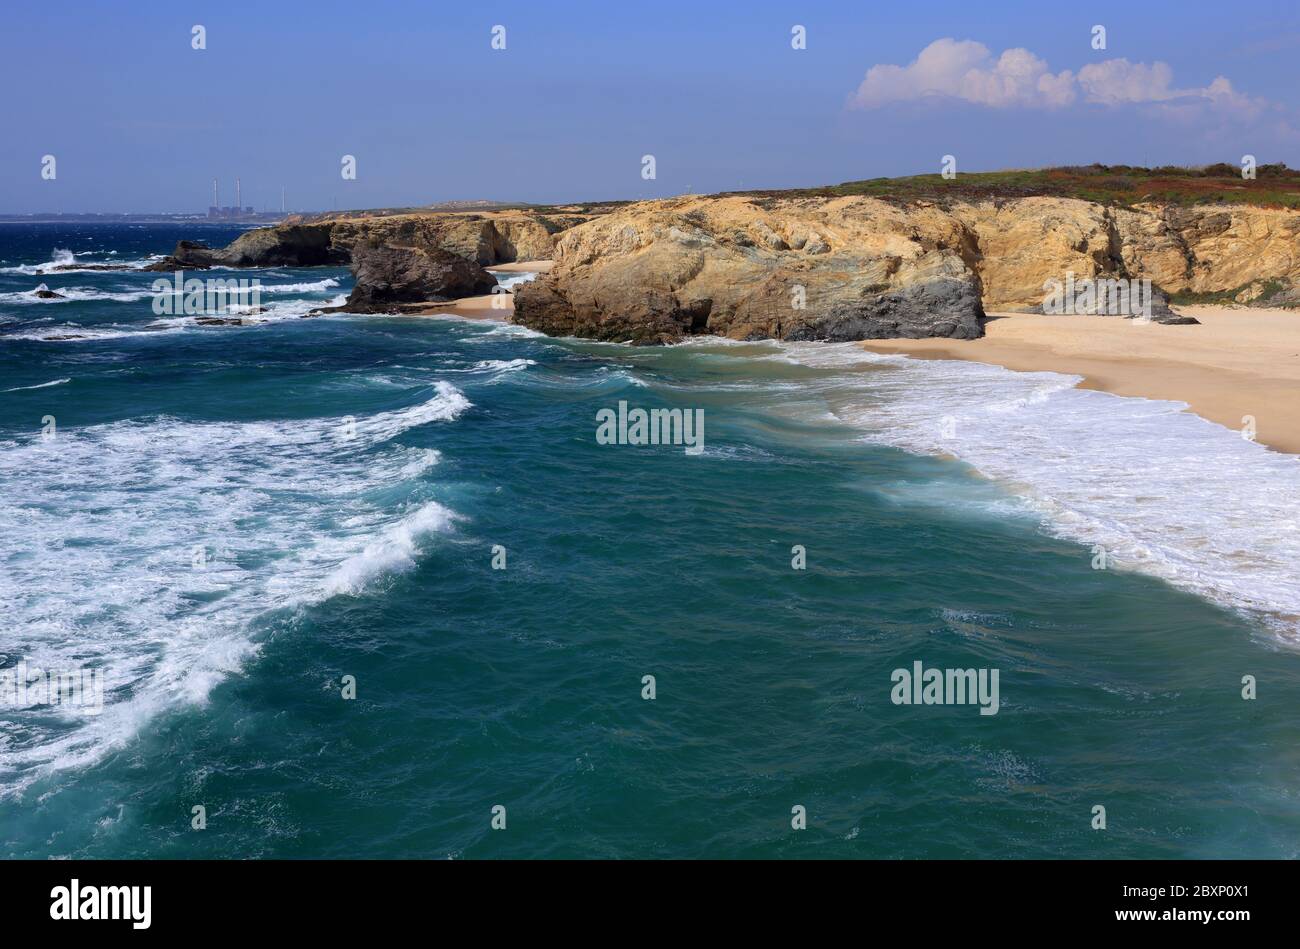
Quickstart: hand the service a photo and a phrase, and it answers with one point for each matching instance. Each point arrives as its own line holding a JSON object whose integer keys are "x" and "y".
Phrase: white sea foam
{"x": 393, "y": 551}
{"x": 269, "y": 312}
{"x": 1161, "y": 490}
{"x": 274, "y": 311}
{"x": 98, "y": 535}
{"x": 497, "y": 365}
{"x": 43, "y": 385}
{"x": 509, "y": 279}
{"x": 59, "y": 258}
{"x": 67, "y": 259}
{"x": 75, "y": 295}
{"x": 91, "y": 294}
{"x": 319, "y": 286}
{"x": 499, "y": 329}
{"x": 73, "y": 333}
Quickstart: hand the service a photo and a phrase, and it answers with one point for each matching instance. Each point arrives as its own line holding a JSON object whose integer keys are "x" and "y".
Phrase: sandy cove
{"x": 1238, "y": 362}
{"x": 523, "y": 266}
{"x": 493, "y": 306}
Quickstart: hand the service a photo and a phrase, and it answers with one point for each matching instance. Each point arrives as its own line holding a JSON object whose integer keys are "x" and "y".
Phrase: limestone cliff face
{"x": 842, "y": 268}
{"x": 482, "y": 239}
{"x": 750, "y": 268}
{"x": 1213, "y": 250}
{"x": 1206, "y": 249}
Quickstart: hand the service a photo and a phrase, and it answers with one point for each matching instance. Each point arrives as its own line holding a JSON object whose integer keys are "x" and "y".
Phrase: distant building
{"x": 235, "y": 213}
{"x": 229, "y": 214}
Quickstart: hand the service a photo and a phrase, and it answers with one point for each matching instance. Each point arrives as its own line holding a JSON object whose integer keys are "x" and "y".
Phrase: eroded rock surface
{"x": 807, "y": 269}
{"x": 751, "y": 267}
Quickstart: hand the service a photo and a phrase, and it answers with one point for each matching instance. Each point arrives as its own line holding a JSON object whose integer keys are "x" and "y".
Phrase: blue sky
{"x": 139, "y": 121}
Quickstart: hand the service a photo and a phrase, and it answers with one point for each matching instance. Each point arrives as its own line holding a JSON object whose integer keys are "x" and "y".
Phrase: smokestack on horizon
{"x": 239, "y": 202}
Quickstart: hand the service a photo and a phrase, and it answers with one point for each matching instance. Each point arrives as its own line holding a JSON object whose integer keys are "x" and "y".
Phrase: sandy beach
{"x": 524, "y": 266}
{"x": 1237, "y": 363}
{"x": 494, "y": 306}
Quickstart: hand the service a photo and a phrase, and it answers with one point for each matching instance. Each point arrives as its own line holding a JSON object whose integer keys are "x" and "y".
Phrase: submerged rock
{"x": 61, "y": 267}
{"x": 218, "y": 321}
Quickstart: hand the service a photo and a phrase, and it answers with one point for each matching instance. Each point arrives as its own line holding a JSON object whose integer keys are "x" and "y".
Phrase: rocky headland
{"x": 484, "y": 239}
{"x": 797, "y": 265}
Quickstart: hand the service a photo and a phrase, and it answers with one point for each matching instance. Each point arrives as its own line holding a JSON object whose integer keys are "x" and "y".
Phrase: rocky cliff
{"x": 745, "y": 268}
{"x": 803, "y": 266}
{"x": 837, "y": 268}
{"x": 1237, "y": 253}
{"x": 749, "y": 268}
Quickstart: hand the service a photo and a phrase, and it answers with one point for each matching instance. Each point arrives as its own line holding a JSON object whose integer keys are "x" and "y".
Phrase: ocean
{"x": 367, "y": 586}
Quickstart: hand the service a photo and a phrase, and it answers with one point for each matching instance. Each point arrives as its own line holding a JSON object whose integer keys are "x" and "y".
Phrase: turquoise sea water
{"x": 347, "y": 478}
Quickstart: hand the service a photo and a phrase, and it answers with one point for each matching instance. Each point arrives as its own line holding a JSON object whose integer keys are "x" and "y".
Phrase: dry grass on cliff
{"x": 1124, "y": 185}
{"x": 1275, "y": 186}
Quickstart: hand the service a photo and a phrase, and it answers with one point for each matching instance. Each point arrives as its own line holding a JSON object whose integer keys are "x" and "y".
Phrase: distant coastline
{"x": 262, "y": 219}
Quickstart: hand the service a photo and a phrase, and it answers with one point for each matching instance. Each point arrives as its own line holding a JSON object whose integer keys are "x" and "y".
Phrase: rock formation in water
{"x": 388, "y": 277}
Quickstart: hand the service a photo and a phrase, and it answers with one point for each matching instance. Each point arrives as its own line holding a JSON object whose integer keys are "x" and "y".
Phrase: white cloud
{"x": 1117, "y": 81}
{"x": 966, "y": 70}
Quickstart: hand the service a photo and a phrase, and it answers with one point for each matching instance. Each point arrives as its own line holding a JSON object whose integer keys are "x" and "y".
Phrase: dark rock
{"x": 945, "y": 308}
{"x": 1119, "y": 305}
{"x": 45, "y": 293}
{"x": 651, "y": 317}
{"x": 1162, "y": 313}
{"x": 60, "y": 267}
{"x": 195, "y": 255}
{"x": 188, "y": 255}
{"x": 166, "y": 265}
{"x": 646, "y": 304}
{"x": 218, "y": 321}
{"x": 388, "y": 277}
{"x": 293, "y": 246}
{"x": 304, "y": 245}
